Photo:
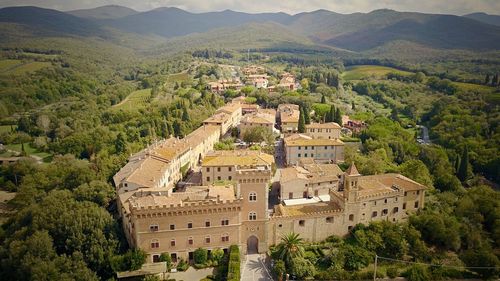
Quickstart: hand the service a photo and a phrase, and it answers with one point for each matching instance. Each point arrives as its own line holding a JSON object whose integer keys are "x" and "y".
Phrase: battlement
{"x": 306, "y": 215}
{"x": 187, "y": 208}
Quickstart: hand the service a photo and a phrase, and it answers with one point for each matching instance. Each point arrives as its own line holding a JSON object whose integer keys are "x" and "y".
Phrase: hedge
{"x": 233, "y": 272}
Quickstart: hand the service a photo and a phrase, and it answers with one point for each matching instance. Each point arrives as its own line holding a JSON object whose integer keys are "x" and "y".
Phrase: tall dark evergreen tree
{"x": 307, "y": 115}
{"x": 323, "y": 99}
{"x": 464, "y": 165}
{"x": 487, "y": 79}
{"x": 330, "y": 116}
{"x": 185, "y": 114}
{"x": 353, "y": 105}
{"x": 121, "y": 143}
{"x": 338, "y": 117}
{"x": 457, "y": 164}
{"x": 302, "y": 122}
{"x": 494, "y": 81}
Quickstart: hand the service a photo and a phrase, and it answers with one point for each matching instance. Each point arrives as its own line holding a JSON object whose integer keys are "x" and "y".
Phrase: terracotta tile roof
{"x": 218, "y": 117}
{"x": 258, "y": 118}
{"x": 313, "y": 173}
{"x": 230, "y": 108}
{"x": 306, "y": 209}
{"x": 352, "y": 170}
{"x": 329, "y": 125}
{"x": 237, "y": 158}
{"x": 303, "y": 140}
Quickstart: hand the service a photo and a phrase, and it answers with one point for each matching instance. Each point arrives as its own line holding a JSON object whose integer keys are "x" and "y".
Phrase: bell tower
{"x": 351, "y": 177}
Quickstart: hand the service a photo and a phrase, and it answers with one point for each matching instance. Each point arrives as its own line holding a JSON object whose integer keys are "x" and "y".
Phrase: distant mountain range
{"x": 355, "y": 32}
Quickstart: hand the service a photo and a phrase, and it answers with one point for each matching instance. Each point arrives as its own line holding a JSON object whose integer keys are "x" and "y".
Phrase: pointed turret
{"x": 352, "y": 170}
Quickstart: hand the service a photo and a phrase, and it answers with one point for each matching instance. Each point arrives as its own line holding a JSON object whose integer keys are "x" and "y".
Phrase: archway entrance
{"x": 252, "y": 245}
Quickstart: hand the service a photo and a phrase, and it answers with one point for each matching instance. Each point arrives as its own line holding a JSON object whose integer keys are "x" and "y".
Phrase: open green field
{"x": 17, "y": 67}
{"x": 358, "y": 72}
{"x": 134, "y": 101}
{"x": 7, "y": 128}
{"x": 29, "y": 150}
{"x": 473, "y": 87}
{"x": 178, "y": 77}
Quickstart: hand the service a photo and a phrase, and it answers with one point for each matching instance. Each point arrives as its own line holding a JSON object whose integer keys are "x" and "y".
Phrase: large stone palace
{"x": 230, "y": 202}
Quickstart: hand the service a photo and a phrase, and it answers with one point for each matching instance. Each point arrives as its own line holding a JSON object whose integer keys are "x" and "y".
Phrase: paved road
{"x": 254, "y": 269}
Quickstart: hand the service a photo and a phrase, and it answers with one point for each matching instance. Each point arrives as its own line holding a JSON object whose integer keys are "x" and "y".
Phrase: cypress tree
{"x": 338, "y": 117}
{"x": 185, "y": 114}
{"x": 121, "y": 143}
{"x": 464, "y": 165}
{"x": 302, "y": 122}
{"x": 487, "y": 79}
{"x": 213, "y": 101}
{"x": 23, "y": 150}
{"x": 331, "y": 115}
{"x": 323, "y": 99}
{"x": 307, "y": 115}
{"x": 457, "y": 164}
{"x": 353, "y": 106}
{"x": 494, "y": 81}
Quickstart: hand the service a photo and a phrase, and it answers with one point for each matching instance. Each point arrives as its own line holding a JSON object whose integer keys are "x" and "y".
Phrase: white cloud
{"x": 289, "y": 6}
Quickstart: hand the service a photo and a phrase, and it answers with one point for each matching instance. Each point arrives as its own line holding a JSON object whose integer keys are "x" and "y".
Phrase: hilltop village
{"x": 178, "y": 195}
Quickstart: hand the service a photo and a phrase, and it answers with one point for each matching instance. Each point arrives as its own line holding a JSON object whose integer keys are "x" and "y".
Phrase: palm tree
{"x": 291, "y": 246}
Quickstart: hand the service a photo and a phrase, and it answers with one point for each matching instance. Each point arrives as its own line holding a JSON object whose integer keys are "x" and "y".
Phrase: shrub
{"x": 165, "y": 257}
{"x": 417, "y": 273}
{"x": 233, "y": 272}
{"x": 200, "y": 256}
{"x": 392, "y": 272}
{"x": 182, "y": 265}
{"x": 217, "y": 255}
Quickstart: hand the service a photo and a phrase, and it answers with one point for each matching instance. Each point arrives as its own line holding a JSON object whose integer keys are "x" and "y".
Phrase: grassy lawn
{"x": 473, "y": 87}
{"x": 7, "y": 128}
{"x": 17, "y": 67}
{"x": 134, "y": 101}
{"x": 358, "y": 72}
{"x": 178, "y": 77}
{"x": 30, "y": 150}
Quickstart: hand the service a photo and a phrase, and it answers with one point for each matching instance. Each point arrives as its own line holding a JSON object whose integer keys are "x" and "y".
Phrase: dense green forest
{"x": 81, "y": 105}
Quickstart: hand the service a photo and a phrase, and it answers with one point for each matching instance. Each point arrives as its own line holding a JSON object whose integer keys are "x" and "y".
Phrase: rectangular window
{"x": 406, "y": 193}
{"x": 290, "y": 195}
{"x": 305, "y": 155}
{"x": 329, "y": 219}
{"x": 229, "y": 178}
{"x": 395, "y": 210}
{"x": 418, "y": 192}
{"x": 172, "y": 227}
{"x": 208, "y": 178}
{"x": 404, "y": 206}
{"x": 316, "y": 193}
{"x": 225, "y": 238}
{"x": 153, "y": 227}
{"x": 374, "y": 214}
{"x": 172, "y": 243}
{"x": 229, "y": 169}
{"x": 385, "y": 201}
{"x": 155, "y": 244}
{"x": 218, "y": 178}
{"x": 300, "y": 148}
{"x": 207, "y": 224}
{"x": 207, "y": 239}
{"x": 302, "y": 222}
{"x": 385, "y": 212}
{"x": 190, "y": 225}
{"x": 351, "y": 217}
{"x": 304, "y": 194}
{"x": 218, "y": 169}
{"x": 416, "y": 204}
{"x": 208, "y": 169}
{"x": 225, "y": 222}
{"x": 298, "y": 155}
{"x": 190, "y": 241}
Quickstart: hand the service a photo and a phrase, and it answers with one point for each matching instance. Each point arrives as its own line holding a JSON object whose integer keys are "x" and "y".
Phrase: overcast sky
{"x": 458, "y": 7}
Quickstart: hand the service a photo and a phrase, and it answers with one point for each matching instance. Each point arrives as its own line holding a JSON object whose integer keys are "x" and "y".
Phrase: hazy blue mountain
{"x": 49, "y": 22}
{"x": 483, "y": 17}
{"x": 171, "y": 22}
{"x": 104, "y": 12}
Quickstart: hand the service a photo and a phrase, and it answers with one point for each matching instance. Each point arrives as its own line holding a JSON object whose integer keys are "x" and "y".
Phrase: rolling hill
{"x": 104, "y": 12}
{"x": 485, "y": 18}
{"x": 357, "y": 32}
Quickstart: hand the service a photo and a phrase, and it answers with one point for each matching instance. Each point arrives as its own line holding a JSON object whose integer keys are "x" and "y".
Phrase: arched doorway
{"x": 252, "y": 245}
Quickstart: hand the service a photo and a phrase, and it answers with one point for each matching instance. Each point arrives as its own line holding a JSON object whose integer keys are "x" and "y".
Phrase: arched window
{"x": 155, "y": 243}
{"x": 225, "y": 237}
{"x": 154, "y": 227}
{"x": 252, "y": 216}
{"x": 252, "y": 197}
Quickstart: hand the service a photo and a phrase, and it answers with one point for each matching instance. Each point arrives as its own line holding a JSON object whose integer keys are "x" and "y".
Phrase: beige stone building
{"x": 230, "y": 211}
{"x": 226, "y": 117}
{"x": 224, "y": 165}
{"x": 301, "y": 146}
{"x": 288, "y": 116}
{"x": 263, "y": 118}
{"x": 231, "y": 205}
{"x": 358, "y": 199}
{"x": 308, "y": 180}
{"x": 329, "y": 130}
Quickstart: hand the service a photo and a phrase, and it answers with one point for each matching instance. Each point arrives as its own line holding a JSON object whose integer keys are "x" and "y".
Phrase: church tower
{"x": 351, "y": 177}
